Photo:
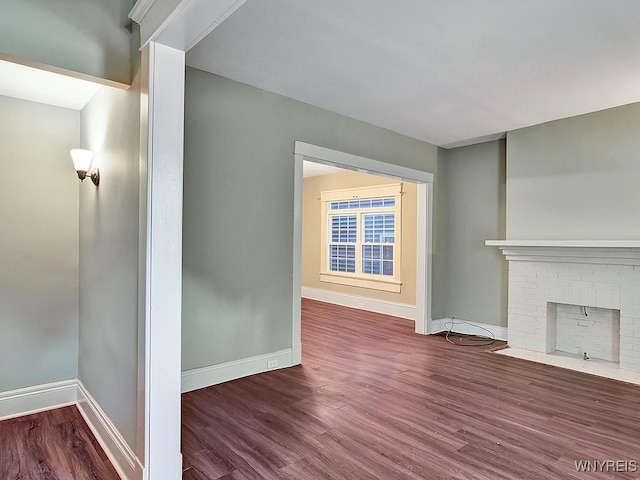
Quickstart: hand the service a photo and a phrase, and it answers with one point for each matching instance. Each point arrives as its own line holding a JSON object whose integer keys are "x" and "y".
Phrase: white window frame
{"x": 388, "y": 283}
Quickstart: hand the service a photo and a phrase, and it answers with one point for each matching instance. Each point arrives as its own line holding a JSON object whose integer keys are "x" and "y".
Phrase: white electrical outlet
{"x": 272, "y": 363}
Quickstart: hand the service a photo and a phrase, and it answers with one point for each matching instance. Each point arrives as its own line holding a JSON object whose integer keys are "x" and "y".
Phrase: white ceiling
{"x": 313, "y": 169}
{"x": 33, "y": 84}
{"x": 447, "y": 72}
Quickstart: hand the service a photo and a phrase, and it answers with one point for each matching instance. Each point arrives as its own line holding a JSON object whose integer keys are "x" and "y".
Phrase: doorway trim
{"x": 424, "y": 180}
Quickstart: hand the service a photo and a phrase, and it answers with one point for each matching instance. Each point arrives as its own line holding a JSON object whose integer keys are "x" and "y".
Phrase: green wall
{"x": 38, "y": 244}
{"x": 86, "y": 36}
{"x": 475, "y": 206}
{"x": 108, "y": 340}
{"x": 238, "y": 210}
{"x": 576, "y": 178}
{"x": 440, "y": 268}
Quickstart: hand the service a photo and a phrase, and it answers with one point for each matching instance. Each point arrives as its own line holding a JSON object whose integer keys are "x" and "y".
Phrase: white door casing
{"x": 305, "y": 151}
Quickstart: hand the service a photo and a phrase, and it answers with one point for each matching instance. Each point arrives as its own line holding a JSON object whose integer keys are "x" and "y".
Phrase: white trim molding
{"x": 610, "y": 252}
{"x": 38, "y": 398}
{"x": 180, "y": 24}
{"x": 140, "y": 10}
{"x": 468, "y": 328}
{"x": 424, "y": 258}
{"x": 330, "y": 157}
{"x": 115, "y": 447}
{"x": 326, "y": 156}
{"x": 163, "y": 254}
{"x": 394, "y": 309}
{"x": 224, "y": 372}
{"x": 296, "y": 314}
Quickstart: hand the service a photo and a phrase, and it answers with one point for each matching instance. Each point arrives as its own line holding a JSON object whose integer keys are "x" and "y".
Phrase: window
{"x": 361, "y": 237}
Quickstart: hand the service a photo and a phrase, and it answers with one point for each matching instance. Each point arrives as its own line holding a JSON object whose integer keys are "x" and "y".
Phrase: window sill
{"x": 384, "y": 284}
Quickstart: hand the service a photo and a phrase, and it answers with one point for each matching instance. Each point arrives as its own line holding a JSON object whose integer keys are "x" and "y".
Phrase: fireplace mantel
{"x": 603, "y": 274}
{"x": 611, "y": 252}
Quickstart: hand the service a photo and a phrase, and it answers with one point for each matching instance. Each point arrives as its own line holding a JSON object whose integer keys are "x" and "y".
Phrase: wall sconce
{"x": 82, "y": 162}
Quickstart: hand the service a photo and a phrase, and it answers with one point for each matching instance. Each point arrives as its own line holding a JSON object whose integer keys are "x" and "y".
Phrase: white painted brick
{"x": 568, "y": 276}
{"x": 528, "y": 329}
{"x": 590, "y": 277}
{"x": 617, "y": 270}
{"x": 584, "y": 296}
{"x": 626, "y": 343}
{"x": 631, "y": 366}
{"x": 519, "y": 290}
{"x": 604, "y": 298}
{"x": 535, "y": 301}
{"x": 631, "y": 294}
{"x": 533, "y": 284}
{"x": 527, "y": 274}
{"x": 615, "y": 299}
{"x": 580, "y": 284}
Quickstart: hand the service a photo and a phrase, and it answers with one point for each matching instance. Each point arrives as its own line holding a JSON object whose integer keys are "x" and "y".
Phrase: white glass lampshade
{"x": 81, "y": 159}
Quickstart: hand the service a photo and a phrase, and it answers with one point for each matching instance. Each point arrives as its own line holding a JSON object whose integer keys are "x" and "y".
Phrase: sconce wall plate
{"x": 81, "y": 162}
{"x": 94, "y": 176}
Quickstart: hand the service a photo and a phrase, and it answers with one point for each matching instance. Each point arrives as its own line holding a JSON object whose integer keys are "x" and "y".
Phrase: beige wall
{"x": 311, "y": 241}
{"x": 38, "y": 244}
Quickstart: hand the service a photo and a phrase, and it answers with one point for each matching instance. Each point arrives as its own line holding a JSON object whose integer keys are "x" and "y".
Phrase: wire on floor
{"x": 472, "y": 340}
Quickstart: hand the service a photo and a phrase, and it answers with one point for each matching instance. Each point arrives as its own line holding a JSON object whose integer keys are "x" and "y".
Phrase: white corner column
{"x": 296, "y": 322}
{"x": 168, "y": 28}
{"x": 163, "y": 275}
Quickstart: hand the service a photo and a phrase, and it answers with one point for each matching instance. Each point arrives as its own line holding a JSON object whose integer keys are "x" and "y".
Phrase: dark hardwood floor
{"x": 373, "y": 400}
{"x": 52, "y": 445}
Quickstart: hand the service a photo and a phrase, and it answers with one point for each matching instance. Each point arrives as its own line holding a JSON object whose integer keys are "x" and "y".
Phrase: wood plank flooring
{"x": 52, "y": 445}
{"x": 373, "y": 400}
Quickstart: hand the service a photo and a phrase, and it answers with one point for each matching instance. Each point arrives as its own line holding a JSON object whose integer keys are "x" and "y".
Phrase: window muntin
{"x": 377, "y": 259}
{"x": 361, "y": 237}
{"x": 377, "y": 256}
{"x": 342, "y": 248}
{"x": 370, "y": 203}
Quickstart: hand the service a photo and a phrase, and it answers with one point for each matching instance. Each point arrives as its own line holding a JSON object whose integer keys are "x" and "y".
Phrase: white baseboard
{"x": 120, "y": 454}
{"x": 224, "y": 372}
{"x": 394, "y": 309}
{"x": 24, "y": 401}
{"x": 470, "y": 328}
{"x": 39, "y": 398}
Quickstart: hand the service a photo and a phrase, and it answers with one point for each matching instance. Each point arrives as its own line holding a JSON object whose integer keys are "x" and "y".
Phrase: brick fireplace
{"x": 575, "y": 297}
